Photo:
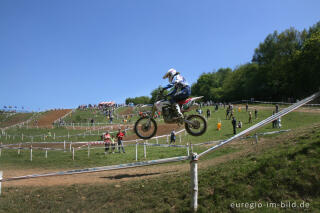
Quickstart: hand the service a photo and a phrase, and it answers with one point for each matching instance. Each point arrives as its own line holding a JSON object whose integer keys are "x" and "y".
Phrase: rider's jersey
{"x": 178, "y": 82}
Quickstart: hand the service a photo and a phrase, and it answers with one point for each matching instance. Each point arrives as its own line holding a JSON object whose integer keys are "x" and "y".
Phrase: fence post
{"x": 31, "y": 153}
{"x": 0, "y": 148}
{"x": 136, "y": 151}
{"x": 72, "y": 153}
{"x": 145, "y": 150}
{"x": 1, "y": 173}
{"x": 194, "y": 182}
{"x": 180, "y": 138}
{"x": 46, "y": 155}
{"x": 88, "y": 150}
{"x": 22, "y": 136}
{"x": 68, "y": 135}
{"x": 54, "y": 136}
{"x": 70, "y": 145}
{"x": 167, "y": 138}
{"x": 256, "y": 136}
{"x": 188, "y": 152}
{"x": 64, "y": 145}
{"x": 19, "y": 148}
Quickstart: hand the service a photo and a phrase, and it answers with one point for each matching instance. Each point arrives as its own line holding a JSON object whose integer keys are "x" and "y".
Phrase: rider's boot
{"x": 178, "y": 111}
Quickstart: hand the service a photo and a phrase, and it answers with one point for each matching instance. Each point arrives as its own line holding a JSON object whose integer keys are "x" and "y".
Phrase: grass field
{"x": 280, "y": 168}
{"x": 284, "y": 168}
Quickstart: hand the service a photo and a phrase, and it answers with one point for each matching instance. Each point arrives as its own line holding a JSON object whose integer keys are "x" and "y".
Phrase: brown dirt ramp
{"x": 49, "y": 117}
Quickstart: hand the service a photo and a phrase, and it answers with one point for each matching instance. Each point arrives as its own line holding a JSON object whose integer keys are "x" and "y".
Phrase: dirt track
{"x": 49, "y": 117}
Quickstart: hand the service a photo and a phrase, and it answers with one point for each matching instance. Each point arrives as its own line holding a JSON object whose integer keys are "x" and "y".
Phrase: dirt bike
{"x": 196, "y": 125}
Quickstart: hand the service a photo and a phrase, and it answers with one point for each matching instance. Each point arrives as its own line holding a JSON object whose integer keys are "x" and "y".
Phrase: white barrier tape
{"x": 283, "y": 103}
{"x": 264, "y": 122}
{"x": 28, "y": 148}
{"x": 100, "y": 169}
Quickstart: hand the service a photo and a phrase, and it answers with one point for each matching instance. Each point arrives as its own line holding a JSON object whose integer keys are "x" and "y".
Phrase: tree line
{"x": 284, "y": 66}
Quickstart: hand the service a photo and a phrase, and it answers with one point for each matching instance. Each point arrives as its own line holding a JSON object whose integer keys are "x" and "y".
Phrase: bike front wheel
{"x": 196, "y": 126}
{"x": 145, "y": 127}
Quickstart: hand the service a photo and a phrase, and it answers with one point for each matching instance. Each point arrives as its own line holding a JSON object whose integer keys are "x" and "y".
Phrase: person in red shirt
{"x": 120, "y": 136}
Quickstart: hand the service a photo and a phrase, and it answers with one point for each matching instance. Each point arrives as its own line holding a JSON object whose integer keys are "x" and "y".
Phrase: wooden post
{"x": 145, "y": 150}
{"x": 70, "y": 145}
{"x": 0, "y": 148}
{"x": 72, "y": 153}
{"x": 54, "y": 136}
{"x": 19, "y": 148}
{"x": 1, "y": 173}
{"x": 68, "y": 135}
{"x": 180, "y": 138}
{"x": 88, "y": 150}
{"x": 46, "y": 155}
{"x": 194, "y": 182}
{"x": 64, "y": 146}
{"x": 167, "y": 138}
{"x": 256, "y": 136}
{"x": 136, "y": 151}
{"x": 188, "y": 152}
{"x": 22, "y": 136}
{"x": 31, "y": 153}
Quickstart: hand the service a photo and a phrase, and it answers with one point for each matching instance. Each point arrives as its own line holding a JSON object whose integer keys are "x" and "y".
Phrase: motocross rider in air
{"x": 181, "y": 90}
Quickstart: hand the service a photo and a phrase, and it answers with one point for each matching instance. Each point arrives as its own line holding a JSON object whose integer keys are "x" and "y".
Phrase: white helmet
{"x": 170, "y": 74}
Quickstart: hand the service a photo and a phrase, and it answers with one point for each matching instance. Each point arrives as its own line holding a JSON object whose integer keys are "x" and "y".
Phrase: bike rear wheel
{"x": 198, "y": 127}
{"x": 145, "y": 127}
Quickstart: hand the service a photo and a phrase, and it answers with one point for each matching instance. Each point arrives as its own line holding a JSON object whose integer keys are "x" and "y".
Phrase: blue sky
{"x": 63, "y": 53}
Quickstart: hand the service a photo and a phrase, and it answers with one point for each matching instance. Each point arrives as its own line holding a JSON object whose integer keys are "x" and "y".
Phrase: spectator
{"x": 234, "y": 125}
{"x": 216, "y": 107}
{"x": 231, "y": 114}
{"x": 92, "y": 121}
{"x": 274, "y": 122}
{"x": 208, "y": 113}
{"x": 110, "y": 118}
{"x": 227, "y": 112}
{"x": 107, "y": 141}
{"x": 277, "y": 108}
{"x": 120, "y": 136}
{"x": 172, "y": 137}
{"x": 255, "y": 113}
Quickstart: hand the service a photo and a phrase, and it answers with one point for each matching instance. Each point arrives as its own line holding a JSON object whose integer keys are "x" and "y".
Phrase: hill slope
{"x": 277, "y": 170}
